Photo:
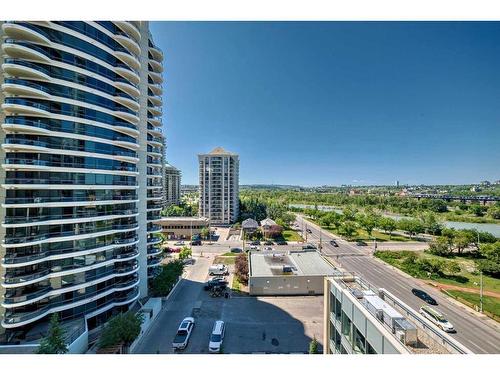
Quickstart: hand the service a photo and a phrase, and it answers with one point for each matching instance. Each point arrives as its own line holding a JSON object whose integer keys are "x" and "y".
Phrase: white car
{"x": 184, "y": 331}
{"x": 179, "y": 243}
{"x": 254, "y": 247}
{"x": 269, "y": 248}
{"x": 217, "y": 337}
{"x": 437, "y": 318}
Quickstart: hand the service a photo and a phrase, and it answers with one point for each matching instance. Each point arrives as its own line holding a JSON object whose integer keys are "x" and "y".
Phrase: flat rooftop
{"x": 184, "y": 219}
{"x": 299, "y": 263}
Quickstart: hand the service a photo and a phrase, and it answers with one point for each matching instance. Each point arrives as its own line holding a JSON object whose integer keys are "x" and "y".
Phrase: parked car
{"x": 255, "y": 243}
{"x": 437, "y": 318}
{"x": 360, "y": 243}
{"x": 184, "y": 331}
{"x": 281, "y": 243}
{"x": 188, "y": 261}
{"x": 268, "y": 248}
{"x": 176, "y": 250}
{"x": 179, "y": 243}
{"x": 218, "y": 269}
{"x": 267, "y": 243}
{"x": 217, "y": 337}
{"x": 309, "y": 247}
{"x": 424, "y": 296}
{"x": 254, "y": 247}
{"x": 236, "y": 250}
{"x": 334, "y": 244}
{"x": 308, "y": 231}
{"x": 167, "y": 250}
{"x": 215, "y": 282}
{"x": 196, "y": 243}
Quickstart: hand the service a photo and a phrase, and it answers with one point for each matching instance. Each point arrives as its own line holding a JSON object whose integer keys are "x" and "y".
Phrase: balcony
{"x": 126, "y": 41}
{"x": 24, "y": 50}
{"x": 12, "y": 320}
{"x": 25, "y": 31}
{"x": 25, "y": 107}
{"x": 22, "y": 87}
{"x": 155, "y": 66}
{"x": 21, "y": 68}
{"x": 130, "y": 29}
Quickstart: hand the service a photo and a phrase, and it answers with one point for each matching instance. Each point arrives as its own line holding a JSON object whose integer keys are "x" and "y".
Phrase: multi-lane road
{"x": 475, "y": 331}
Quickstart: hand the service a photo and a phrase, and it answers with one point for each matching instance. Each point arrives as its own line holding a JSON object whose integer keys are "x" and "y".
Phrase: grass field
{"x": 227, "y": 260}
{"x": 362, "y": 235}
{"x": 291, "y": 235}
{"x": 490, "y": 304}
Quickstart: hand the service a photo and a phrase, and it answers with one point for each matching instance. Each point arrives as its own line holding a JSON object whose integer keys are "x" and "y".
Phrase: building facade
{"x": 219, "y": 186}
{"x": 81, "y": 176}
{"x": 172, "y": 185}
{"x": 182, "y": 227}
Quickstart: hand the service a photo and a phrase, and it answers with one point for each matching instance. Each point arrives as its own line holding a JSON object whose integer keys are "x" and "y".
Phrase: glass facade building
{"x": 81, "y": 178}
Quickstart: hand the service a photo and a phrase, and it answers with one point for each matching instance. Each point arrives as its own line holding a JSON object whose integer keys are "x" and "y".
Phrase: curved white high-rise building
{"x": 81, "y": 145}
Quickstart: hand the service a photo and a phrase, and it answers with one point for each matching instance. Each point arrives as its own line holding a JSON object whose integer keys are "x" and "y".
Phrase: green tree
{"x": 440, "y": 246}
{"x": 185, "y": 253}
{"x": 173, "y": 210}
{"x": 388, "y": 225}
{"x": 241, "y": 268}
{"x": 288, "y": 218}
{"x": 313, "y": 346}
{"x": 162, "y": 284}
{"x": 348, "y": 229}
{"x": 462, "y": 240}
{"x": 432, "y": 266}
{"x": 438, "y": 205}
{"x": 430, "y": 223}
{"x": 54, "y": 342}
{"x": 205, "y": 232}
{"x": 122, "y": 329}
{"x": 494, "y": 212}
{"x": 477, "y": 209}
{"x": 367, "y": 222}
{"x": 349, "y": 214}
{"x": 411, "y": 226}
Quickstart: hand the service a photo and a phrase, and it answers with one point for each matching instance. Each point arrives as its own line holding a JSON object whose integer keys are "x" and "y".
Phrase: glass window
{"x": 346, "y": 327}
{"x": 359, "y": 341}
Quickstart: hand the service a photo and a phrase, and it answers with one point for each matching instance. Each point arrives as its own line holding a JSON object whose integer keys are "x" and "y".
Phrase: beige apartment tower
{"x": 219, "y": 186}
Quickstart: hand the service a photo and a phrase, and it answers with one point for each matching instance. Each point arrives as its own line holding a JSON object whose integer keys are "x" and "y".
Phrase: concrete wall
{"x": 285, "y": 285}
{"x": 150, "y": 311}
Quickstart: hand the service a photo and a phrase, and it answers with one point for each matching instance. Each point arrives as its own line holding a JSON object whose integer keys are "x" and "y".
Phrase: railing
{"x": 67, "y": 199}
{"x": 28, "y": 45}
{"x": 446, "y": 340}
{"x": 24, "y": 82}
{"x": 80, "y": 215}
{"x": 38, "y": 162}
{"x": 11, "y": 318}
{"x": 55, "y": 181}
{"x": 27, "y": 64}
{"x": 28, "y": 103}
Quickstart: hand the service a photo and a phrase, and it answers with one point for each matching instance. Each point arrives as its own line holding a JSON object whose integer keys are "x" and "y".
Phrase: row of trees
{"x": 162, "y": 284}
{"x": 396, "y": 204}
{"x": 184, "y": 209}
{"x": 259, "y": 208}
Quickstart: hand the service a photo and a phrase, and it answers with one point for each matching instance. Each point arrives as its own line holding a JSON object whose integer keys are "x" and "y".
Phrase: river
{"x": 491, "y": 228}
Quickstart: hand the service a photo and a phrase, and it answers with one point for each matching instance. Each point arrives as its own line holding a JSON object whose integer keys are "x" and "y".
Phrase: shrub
{"x": 313, "y": 346}
{"x": 241, "y": 268}
{"x": 162, "y": 284}
{"x": 54, "y": 342}
{"x": 121, "y": 329}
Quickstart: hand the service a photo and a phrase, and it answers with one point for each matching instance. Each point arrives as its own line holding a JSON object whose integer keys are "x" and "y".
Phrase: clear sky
{"x": 313, "y": 103}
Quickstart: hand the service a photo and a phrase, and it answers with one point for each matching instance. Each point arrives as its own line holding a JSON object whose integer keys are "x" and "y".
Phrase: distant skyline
{"x": 331, "y": 103}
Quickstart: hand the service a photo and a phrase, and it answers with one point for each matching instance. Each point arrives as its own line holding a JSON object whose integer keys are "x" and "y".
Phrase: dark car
{"x": 196, "y": 243}
{"x": 281, "y": 243}
{"x": 236, "y": 250}
{"x": 308, "y": 231}
{"x": 309, "y": 247}
{"x": 255, "y": 243}
{"x": 334, "y": 244}
{"x": 424, "y": 296}
{"x": 360, "y": 243}
{"x": 268, "y": 243}
{"x": 215, "y": 282}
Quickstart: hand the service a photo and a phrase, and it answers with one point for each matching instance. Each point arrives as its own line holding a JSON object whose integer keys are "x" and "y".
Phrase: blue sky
{"x": 313, "y": 103}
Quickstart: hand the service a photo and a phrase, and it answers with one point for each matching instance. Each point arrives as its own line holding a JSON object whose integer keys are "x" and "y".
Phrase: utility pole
{"x": 481, "y": 293}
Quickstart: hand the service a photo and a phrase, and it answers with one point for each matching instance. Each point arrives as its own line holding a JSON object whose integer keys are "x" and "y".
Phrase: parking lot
{"x": 253, "y": 324}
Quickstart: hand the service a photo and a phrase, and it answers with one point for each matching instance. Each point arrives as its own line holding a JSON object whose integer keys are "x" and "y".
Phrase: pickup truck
{"x": 181, "y": 339}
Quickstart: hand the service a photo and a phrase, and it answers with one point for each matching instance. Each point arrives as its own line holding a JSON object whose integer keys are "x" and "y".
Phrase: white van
{"x": 437, "y": 318}
{"x": 218, "y": 270}
{"x": 217, "y": 337}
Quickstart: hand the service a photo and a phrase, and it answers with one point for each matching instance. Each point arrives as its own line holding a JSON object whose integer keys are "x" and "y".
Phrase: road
{"x": 476, "y": 332}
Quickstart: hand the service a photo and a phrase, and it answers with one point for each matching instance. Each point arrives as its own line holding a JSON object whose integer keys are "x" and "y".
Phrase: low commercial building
{"x": 182, "y": 227}
{"x": 277, "y": 273}
{"x": 362, "y": 320}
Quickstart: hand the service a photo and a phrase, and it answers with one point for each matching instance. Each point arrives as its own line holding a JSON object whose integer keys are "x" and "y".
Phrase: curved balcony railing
{"x": 9, "y": 239}
{"x": 28, "y": 103}
{"x": 28, "y": 45}
{"x": 89, "y": 165}
{"x": 36, "y": 275}
{"x": 13, "y": 318}
{"x": 27, "y": 64}
{"x": 14, "y": 258}
{"x": 47, "y": 126}
{"x": 24, "y": 82}
{"x": 79, "y": 215}
{"x": 30, "y": 200}
{"x": 58, "y": 181}
{"x": 62, "y": 146}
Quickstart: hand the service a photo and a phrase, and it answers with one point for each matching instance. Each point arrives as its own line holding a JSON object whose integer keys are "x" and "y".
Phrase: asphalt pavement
{"x": 477, "y": 332}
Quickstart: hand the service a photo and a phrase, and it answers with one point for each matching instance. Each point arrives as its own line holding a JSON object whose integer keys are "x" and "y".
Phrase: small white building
{"x": 287, "y": 273}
